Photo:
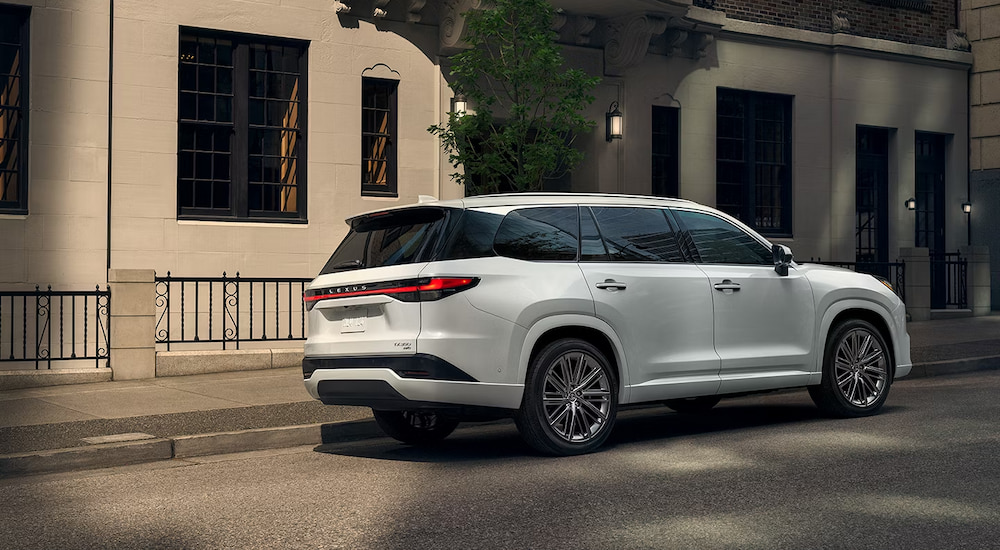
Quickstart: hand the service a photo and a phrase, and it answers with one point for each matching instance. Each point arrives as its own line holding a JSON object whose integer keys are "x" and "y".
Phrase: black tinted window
{"x": 716, "y": 241}
{"x": 394, "y": 238}
{"x": 591, "y": 246}
{"x": 472, "y": 236}
{"x": 638, "y": 234}
{"x": 539, "y": 234}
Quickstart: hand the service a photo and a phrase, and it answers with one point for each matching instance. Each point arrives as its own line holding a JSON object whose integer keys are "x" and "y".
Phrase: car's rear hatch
{"x": 366, "y": 300}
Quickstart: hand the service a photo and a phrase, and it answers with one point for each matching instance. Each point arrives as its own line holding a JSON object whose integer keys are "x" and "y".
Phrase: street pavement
{"x": 758, "y": 472}
{"x": 96, "y": 425}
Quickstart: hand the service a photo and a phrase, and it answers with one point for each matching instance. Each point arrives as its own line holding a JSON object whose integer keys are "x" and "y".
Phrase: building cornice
{"x": 759, "y": 33}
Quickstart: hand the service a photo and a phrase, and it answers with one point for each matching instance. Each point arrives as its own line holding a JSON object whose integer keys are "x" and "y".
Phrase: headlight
{"x": 885, "y": 282}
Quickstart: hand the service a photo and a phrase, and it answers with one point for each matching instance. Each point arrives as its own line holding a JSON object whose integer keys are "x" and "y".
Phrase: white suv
{"x": 558, "y": 308}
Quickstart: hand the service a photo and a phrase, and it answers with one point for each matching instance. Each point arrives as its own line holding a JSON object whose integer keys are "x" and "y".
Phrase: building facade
{"x": 980, "y": 19}
{"x": 203, "y": 137}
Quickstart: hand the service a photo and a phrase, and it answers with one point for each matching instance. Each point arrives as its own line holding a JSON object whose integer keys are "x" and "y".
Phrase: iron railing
{"x": 894, "y": 272}
{"x": 229, "y": 310}
{"x": 949, "y": 287}
{"x": 29, "y": 321}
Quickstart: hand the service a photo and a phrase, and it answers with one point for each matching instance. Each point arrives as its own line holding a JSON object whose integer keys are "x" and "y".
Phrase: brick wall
{"x": 927, "y": 26}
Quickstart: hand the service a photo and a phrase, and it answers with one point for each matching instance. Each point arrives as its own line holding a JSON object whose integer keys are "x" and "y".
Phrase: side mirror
{"x": 782, "y": 258}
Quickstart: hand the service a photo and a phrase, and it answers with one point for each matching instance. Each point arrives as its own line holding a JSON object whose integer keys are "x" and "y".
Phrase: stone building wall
{"x": 980, "y": 19}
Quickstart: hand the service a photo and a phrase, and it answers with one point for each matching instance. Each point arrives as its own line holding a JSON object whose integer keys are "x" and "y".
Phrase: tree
{"x": 527, "y": 104}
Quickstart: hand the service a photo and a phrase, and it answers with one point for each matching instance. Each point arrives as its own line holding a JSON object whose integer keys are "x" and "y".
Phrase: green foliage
{"x": 527, "y": 104}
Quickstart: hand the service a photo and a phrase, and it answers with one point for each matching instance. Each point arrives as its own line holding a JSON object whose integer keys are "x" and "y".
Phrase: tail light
{"x": 425, "y": 289}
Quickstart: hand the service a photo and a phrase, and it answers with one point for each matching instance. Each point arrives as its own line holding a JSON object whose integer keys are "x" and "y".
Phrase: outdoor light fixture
{"x": 911, "y": 203}
{"x": 460, "y": 105}
{"x": 966, "y": 207}
{"x": 613, "y": 120}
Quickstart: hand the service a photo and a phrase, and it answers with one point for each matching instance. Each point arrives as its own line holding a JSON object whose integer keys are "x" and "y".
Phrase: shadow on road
{"x": 499, "y": 440}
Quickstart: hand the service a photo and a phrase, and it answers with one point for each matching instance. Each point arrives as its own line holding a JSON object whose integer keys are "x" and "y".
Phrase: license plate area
{"x": 354, "y": 319}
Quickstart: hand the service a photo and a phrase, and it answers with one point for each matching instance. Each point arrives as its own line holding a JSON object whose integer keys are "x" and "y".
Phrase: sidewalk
{"x": 105, "y": 424}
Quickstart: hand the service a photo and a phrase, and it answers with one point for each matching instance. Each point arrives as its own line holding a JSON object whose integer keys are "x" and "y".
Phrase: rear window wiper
{"x": 349, "y": 264}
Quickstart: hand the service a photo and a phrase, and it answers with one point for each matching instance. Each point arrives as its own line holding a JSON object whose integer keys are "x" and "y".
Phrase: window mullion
{"x": 240, "y": 145}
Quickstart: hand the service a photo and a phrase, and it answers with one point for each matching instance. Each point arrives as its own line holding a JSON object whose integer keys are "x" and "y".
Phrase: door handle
{"x": 726, "y": 284}
{"x": 611, "y": 284}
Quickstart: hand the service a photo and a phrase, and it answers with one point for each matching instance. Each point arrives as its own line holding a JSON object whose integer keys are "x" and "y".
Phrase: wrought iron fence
{"x": 894, "y": 272}
{"x": 29, "y": 321}
{"x": 229, "y": 310}
{"x": 949, "y": 287}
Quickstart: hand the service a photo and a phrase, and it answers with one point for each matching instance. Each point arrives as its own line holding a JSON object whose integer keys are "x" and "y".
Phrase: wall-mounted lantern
{"x": 613, "y": 122}
{"x": 967, "y": 207}
{"x": 460, "y": 105}
{"x": 911, "y": 203}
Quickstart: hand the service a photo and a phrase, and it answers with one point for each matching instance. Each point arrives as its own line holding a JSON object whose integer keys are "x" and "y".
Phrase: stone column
{"x": 918, "y": 282}
{"x": 133, "y": 321}
{"x": 978, "y": 278}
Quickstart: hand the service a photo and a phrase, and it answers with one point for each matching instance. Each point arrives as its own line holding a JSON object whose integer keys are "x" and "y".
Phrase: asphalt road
{"x": 757, "y": 472}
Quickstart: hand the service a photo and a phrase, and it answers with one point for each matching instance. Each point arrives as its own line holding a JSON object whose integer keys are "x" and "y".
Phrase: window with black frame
{"x": 754, "y": 159}
{"x": 378, "y": 137}
{"x": 665, "y": 146}
{"x": 241, "y": 110}
{"x": 14, "y": 110}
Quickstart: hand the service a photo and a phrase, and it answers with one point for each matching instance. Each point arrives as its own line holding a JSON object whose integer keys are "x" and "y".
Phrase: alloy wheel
{"x": 860, "y": 367}
{"x": 576, "y": 396}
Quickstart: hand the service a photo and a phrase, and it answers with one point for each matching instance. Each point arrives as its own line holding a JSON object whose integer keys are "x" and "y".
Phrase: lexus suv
{"x": 557, "y": 309}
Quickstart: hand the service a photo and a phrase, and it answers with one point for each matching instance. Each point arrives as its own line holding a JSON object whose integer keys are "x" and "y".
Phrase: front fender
{"x": 894, "y": 317}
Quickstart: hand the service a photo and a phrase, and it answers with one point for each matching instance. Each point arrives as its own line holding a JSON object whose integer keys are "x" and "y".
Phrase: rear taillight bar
{"x": 425, "y": 289}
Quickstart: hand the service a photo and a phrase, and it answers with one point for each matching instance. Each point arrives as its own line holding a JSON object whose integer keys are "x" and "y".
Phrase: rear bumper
{"x": 419, "y": 365}
{"x": 383, "y": 388}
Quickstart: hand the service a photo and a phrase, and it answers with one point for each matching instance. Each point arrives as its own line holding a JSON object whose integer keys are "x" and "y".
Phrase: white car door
{"x": 764, "y": 322}
{"x": 660, "y": 306}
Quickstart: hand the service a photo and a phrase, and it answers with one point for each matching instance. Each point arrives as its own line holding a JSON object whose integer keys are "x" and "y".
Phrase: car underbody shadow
{"x": 498, "y": 440}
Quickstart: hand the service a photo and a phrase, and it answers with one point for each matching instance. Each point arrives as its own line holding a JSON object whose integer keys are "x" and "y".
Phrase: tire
{"x": 415, "y": 427}
{"x": 563, "y": 419}
{"x": 857, "y": 371}
{"x": 693, "y": 405}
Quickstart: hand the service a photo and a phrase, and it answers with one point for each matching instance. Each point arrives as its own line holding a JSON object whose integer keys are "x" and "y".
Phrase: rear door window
{"x": 390, "y": 238}
{"x": 545, "y": 233}
{"x": 637, "y": 234}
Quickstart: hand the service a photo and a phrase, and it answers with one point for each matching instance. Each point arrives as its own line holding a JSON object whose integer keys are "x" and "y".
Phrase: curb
{"x": 108, "y": 455}
{"x": 954, "y": 366}
{"x": 85, "y": 458}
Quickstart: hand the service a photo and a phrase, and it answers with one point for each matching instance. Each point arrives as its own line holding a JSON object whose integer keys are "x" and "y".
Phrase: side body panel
{"x": 663, "y": 314}
{"x": 482, "y": 330}
{"x": 765, "y": 326}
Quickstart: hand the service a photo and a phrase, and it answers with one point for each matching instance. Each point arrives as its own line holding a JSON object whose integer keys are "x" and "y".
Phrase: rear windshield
{"x": 392, "y": 238}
